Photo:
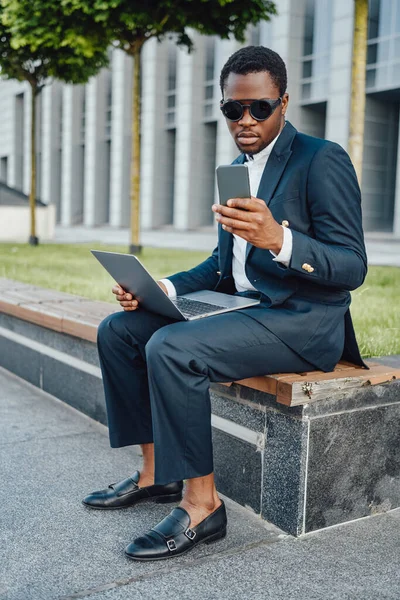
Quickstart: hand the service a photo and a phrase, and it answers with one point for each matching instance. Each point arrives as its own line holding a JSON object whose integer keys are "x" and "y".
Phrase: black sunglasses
{"x": 260, "y": 110}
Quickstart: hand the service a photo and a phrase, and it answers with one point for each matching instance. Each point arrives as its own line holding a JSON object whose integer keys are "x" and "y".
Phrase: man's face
{"x": 252, "y": 136}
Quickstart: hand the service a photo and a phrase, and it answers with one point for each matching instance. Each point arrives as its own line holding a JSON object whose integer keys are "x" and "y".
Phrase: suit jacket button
{"x": 307, "y": 267}
{"x": 285, "y": 223}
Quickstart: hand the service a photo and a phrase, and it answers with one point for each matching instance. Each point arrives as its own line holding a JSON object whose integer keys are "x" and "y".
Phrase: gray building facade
{"x": 84, "y": 142}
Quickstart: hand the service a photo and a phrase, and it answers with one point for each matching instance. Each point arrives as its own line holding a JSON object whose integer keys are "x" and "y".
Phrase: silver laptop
{"x": 132, "y": 276}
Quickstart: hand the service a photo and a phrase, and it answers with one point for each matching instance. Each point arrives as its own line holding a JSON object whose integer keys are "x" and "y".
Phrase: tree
{"x": 66, "y": 49}
{"x": 359, "y": 63}
{"x": 128, "y": 24}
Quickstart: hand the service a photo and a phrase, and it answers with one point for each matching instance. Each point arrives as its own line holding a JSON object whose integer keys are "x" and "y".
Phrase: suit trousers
{"x": 157, "y": 374}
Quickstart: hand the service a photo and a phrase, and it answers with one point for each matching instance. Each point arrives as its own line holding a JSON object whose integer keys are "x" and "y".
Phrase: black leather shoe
{"x": 173, "y": 536}
{"x": 127, "y": 493}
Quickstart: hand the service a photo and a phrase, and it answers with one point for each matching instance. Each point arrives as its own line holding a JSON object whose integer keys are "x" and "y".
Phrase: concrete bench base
{"x": 302, "y": 468}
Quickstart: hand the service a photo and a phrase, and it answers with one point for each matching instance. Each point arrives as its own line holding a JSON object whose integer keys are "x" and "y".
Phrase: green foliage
{"x": 39, "y": 41}
{"x": 129, "y": 23}
{"x": 71, "y": 268}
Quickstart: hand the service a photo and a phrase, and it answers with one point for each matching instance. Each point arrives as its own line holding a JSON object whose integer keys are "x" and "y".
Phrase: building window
{"x": 4, "y": 169}
{"x": 83, "y": 117}
{"x": 209, "y": 80}
{"x": 383, "y": 52}
{"x": 171, "y": 87}
{"x": 316, "y": 51}
{"x": 108, "y": 116}
{"x": 254, "y": 36}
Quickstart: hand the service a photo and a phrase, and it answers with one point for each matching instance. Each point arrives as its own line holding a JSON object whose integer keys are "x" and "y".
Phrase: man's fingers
{"x": 251, "y": 204}
{"x": 235, "y": 213}
{"x": 129, "y": 303}
{"x": 125, "y": 297}
{"x": 117, "y": 290}
{"x": 239, "y": 232}
{"x": 234, "y": 223}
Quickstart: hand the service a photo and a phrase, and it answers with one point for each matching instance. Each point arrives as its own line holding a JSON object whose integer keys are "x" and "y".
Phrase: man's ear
{"x": 285, "y": 102}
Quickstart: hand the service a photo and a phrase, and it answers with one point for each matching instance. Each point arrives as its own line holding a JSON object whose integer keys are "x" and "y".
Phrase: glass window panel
{"x": 373, "y": 18}
{"x": 396, "y": 73}
{"x": 309, "y": 27}
{"x": 209, "y": 92}
{"x": 171, "y": 101}
{"x": 383, "y": 51}
{"x": 372, "y": 53}
{"x": 397, "y": 19}
{"x": 208, "y": 110}
{"x": 371, "y": 76}
{"x": 255, "y": 35}
{"x": 171, "y": 67}
{"x": 385, "y": 18}
{"x": 375, "y": 155}
{"x": 322, "y": 26}
{"x": 171, "y": 82}
{"x": 318, "y": 88}
{"x": 320, "y": 65}
{"x": 210, "y": 58}
{"x": 171, "y": 118}
{"x": 382, "y": 76}
{"x": 306, "y": 91}
{"x": 375, "y": 131}
{"x": 307, "y": 68}
{"x": 395, "y": 48}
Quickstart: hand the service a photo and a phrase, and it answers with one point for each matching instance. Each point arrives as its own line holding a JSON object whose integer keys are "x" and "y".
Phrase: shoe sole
{"x": 208, "y": 540}
{"x": 169, "y": 499}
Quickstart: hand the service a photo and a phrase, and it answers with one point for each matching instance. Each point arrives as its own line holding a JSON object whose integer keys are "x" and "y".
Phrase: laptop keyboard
{"x": 193, "y": 308}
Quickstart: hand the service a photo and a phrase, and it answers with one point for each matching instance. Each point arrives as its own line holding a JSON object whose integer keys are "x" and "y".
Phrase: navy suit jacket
{"x": 311, "y": 183}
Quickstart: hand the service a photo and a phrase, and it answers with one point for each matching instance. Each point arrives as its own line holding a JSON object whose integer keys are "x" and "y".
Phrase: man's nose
{"x": 247, "y": 119}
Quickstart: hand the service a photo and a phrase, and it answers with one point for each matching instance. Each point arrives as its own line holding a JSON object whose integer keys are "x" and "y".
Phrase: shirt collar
{"x": 264, "y": 154}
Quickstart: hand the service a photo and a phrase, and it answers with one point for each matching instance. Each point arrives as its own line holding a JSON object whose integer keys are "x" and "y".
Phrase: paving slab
{"x": 355, "y": 561}
{"x": 51, "y": 546}
{"x": 24, "y": 414}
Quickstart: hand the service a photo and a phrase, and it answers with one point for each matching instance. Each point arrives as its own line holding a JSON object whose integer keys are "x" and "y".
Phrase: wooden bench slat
{"x": 293, "y": 389}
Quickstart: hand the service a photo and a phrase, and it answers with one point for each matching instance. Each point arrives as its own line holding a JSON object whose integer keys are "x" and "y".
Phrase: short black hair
{"x": 256, "y": 59}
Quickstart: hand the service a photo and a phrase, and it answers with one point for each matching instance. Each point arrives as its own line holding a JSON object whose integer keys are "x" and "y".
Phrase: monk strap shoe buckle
{"x": 171, "y": 545}
{"x": 190, "y": 533}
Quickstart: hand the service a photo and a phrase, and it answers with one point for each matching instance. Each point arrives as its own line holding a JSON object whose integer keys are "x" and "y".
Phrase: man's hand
{"x": 251, "y": 219}
{"x": 126, "y": 300}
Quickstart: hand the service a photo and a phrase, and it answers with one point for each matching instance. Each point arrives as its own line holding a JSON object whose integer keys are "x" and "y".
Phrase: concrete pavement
{"x": 53, "y": 548}
{"x": 382, "y": 248}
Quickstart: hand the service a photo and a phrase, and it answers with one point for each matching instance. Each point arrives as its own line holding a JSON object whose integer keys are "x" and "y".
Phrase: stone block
{"x": 79, "y": 388}
{"x": 241, "y": 414}
{"x": 238, "y": 469}
{"x": 353, "y": 466}
{"x": 20, "y": 359}
{"x": 284, "y": 472}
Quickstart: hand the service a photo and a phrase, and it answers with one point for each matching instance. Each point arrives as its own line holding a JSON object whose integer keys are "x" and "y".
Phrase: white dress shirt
{"x": 256, "y": 165}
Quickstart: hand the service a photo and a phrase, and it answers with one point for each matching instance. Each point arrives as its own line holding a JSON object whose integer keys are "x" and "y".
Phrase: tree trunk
{"x": 33, "y": 239}
{"x": 134, "y": 246}
{"x": 359, "y": 63}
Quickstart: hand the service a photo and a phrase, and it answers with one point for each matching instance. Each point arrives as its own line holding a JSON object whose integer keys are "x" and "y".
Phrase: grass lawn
{"x": 71, "y": 268}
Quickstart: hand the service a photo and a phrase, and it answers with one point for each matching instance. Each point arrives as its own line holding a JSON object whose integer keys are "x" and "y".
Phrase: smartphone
{"x": 233, "y": 182}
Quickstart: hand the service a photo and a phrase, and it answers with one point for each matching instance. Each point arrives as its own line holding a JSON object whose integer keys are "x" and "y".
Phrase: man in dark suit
{"x": 297, "y": 242}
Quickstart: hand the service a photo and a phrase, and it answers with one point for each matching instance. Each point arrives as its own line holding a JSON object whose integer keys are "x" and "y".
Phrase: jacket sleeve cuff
{"x": 285, "y": 254}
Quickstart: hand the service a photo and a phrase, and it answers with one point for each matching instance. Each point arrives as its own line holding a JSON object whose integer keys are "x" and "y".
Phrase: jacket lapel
{"x": 275, "y": 166}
